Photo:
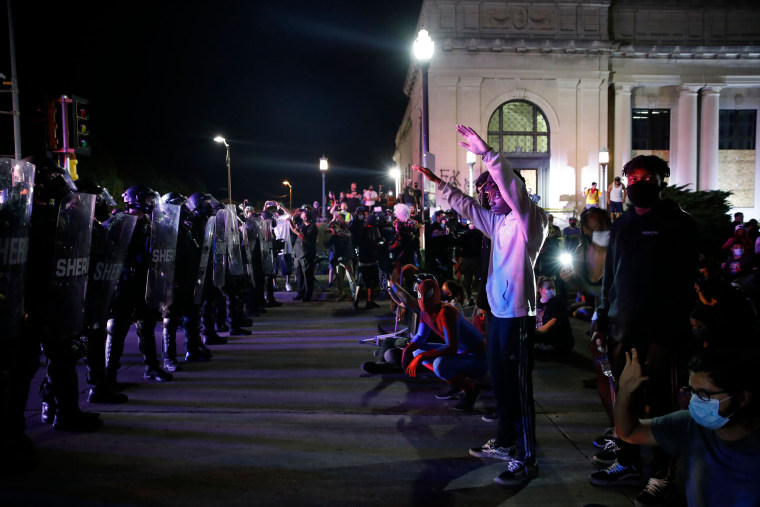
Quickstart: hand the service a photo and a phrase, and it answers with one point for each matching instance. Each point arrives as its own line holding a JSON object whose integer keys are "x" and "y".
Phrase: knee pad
{"x": 117, "y": 328}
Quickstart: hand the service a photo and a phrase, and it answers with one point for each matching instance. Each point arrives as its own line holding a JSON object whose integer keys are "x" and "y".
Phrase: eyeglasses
{"x": 701, "y": 393}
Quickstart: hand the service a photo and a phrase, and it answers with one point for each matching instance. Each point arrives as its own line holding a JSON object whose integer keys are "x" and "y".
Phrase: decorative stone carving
{"x": 519, "y": 17}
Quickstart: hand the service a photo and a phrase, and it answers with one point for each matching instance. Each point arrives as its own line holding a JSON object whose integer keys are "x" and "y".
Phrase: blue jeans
{"x": 510, "y": 362}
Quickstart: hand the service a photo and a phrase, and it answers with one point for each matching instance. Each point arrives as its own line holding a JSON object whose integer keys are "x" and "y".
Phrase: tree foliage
{"x": 709, "y": 208}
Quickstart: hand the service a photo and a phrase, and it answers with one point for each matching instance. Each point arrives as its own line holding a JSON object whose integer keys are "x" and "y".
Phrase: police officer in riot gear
{"x": 54, "y": 301}
{"x": 19, "y": 357}
{"x": 183, "y": 309}
{"x": 107, "y": 253}
{"x": 129, "y": 303}
{"x": 203, "y": 207}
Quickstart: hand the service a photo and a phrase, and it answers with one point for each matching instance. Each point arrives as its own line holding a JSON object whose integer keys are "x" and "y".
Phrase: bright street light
{"x": 290, "y": 192}
{"x": 220, "y": 139}
{"x": 423, "y": 49}
{"x": 323, "y": 169}
{"x": 396, "y": 175}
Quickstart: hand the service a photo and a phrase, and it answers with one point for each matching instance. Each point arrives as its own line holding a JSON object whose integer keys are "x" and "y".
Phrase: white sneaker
{"x": 287, "y": 287}
{"x": 493, "y": 451}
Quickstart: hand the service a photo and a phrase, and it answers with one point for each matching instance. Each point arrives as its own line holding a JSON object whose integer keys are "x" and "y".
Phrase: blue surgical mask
{"x": 549, "y": 293}
{"x": 705, "y": 413}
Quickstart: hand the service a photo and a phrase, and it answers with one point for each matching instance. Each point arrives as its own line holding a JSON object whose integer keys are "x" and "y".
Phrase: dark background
{"x": 284, "y": 82}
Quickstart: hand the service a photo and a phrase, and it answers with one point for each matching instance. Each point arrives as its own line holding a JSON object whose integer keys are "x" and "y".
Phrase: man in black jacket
{"x": 305, "y": 254}
{"x": 647, "y": 294}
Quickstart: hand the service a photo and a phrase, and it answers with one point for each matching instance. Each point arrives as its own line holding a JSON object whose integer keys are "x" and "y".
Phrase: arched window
{"x": 518, "y": 126}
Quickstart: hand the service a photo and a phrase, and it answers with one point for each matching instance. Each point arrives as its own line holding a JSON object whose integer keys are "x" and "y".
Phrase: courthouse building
{"x": 551, "y": 84}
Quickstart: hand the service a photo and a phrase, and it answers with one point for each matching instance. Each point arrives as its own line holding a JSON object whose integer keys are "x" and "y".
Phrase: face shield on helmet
{"x": 179, "y": 200}
{"x": 203, "y": 205}
{"x": 140, "y": 198}
{"x": 51, "y": 182}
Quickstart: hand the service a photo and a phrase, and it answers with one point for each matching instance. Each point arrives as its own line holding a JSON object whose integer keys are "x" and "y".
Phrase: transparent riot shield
{"x": 206, "y": 246}
{"x": 233, "y": 241}
{"x": 106, "y": 272}
{"x": 16, "y": 186}
{"x": 159, "y": 289}
{"x": 246, "y": 246}
{"x": 268, "y": 251}
{"x": 71, "y": 266}
{"x": 220, "y": 248}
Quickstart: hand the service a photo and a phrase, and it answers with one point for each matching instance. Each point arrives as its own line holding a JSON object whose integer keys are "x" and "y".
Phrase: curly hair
{"x": 402, "y": 212}
{"x": 650, "y": 163}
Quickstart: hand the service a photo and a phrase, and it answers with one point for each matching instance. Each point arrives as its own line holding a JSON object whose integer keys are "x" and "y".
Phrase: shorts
{"x": 589, "y": 206}
{"x": 616, "y": 207}
{"x": 284, "y": 265}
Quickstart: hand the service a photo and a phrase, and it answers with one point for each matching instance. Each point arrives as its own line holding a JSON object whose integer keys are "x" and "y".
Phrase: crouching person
{"x": 460, "y": 359}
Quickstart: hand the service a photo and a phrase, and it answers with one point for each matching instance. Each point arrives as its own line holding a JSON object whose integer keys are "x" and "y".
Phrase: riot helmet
{"x": 180, "y": 200}
{"x": 140, "y": 198}
{"x": 202, "y": 204}
{"x": 51, "y": 181}
{"x": 104, "y": 203}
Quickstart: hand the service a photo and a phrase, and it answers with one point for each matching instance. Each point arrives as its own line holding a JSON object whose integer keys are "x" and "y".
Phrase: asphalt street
{"x": 286, "y": 416}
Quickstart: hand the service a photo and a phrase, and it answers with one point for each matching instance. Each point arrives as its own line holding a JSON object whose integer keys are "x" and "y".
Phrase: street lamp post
{"x": 604, "y": 159}
{"x": 423, "y": 50}
{"x": 323, "y": 169}
{"x": 290, "y": 193}
{"x": 471, "y": 163}
{"x": 220, "y": 139}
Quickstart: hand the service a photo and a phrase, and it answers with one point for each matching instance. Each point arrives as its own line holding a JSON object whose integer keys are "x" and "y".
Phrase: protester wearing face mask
{"x": 739, "y": 264}
{"x": 717, "y": 438}
{"x": 553, "y": 333}
{"x": 647, "y": 297}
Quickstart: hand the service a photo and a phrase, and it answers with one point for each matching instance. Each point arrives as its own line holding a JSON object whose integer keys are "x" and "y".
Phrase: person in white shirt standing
{"x": 615, "y": 197}
{"x": 370, "y": 197}
{"x": 517, "y": 227}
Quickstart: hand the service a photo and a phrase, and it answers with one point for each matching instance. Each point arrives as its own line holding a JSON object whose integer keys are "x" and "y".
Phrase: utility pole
{"x": 14, "y": 89}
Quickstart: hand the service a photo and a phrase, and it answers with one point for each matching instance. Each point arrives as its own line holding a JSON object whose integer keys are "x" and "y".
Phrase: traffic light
{"x": 54, "y": 125}
{"x": 80, "y": 135}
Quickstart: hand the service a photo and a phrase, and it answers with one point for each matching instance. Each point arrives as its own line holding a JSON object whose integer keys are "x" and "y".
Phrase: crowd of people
{"x": 673, "y": 334}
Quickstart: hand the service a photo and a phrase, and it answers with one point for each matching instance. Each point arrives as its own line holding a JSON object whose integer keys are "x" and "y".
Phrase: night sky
{"x": 283, "y": 81}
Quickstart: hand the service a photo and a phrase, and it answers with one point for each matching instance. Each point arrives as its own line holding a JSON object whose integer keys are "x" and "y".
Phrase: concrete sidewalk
{"x": 286, "y": 417}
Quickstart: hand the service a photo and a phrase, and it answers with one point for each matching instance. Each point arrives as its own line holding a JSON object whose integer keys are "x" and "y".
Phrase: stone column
{"x": 622, "y": 149}
{"x": 684, "y": 171}
{"x": 708, "y": 138}
{"x": 468, "y": 113}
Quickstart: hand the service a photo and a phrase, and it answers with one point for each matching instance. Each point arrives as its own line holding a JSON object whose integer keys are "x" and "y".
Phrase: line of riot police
{"x": 75, "y": 274}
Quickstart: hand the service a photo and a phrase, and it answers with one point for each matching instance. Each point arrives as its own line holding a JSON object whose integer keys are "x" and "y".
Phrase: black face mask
{"x": 644, "y": 194}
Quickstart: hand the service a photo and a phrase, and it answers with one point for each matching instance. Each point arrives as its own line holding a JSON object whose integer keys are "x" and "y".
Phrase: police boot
{"x": 210, "y": 337}
{"x": 62, "y": 375}
{"x": 117, "y": 333}
{"x": 221, "y": 312}
{"x": 194, "y": 348}
{"x": 169, "y": 338}
{"x": 47, "y": 415}
{"x": 237, "y": 317}
{"x": 96, "y": 355}
{"x": 146, "y": 335}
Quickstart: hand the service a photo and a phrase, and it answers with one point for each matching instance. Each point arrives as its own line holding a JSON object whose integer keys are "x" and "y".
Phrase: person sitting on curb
{"x": 457, "y": 361}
